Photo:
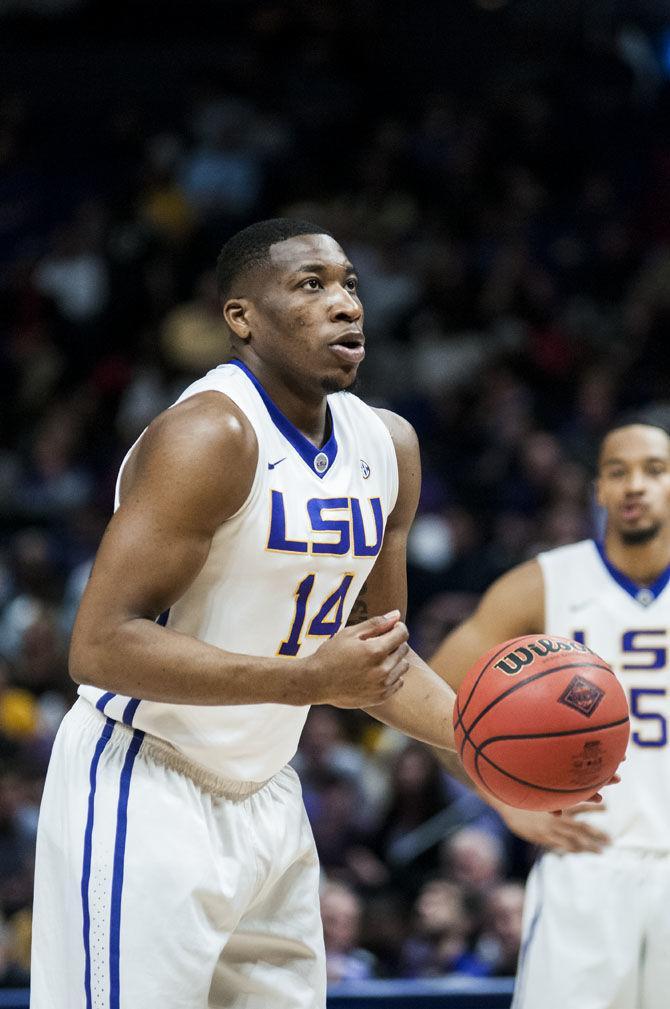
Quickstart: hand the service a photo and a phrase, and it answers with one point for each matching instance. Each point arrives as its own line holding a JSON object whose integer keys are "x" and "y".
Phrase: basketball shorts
{"x": 596, "y": 932}
{"x": 160, "y": 886}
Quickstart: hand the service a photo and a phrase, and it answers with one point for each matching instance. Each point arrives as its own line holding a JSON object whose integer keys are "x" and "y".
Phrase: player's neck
{"x": 643, "y": 563}
{"x": 306, "y": 411}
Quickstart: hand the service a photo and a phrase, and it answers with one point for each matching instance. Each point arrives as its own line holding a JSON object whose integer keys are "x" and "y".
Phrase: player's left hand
{"x": 558, "y": 833}
{"x": 596, "y": 798}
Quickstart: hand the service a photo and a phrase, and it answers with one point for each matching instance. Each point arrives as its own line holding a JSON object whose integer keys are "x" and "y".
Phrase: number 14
{"x": 325, "y": 623}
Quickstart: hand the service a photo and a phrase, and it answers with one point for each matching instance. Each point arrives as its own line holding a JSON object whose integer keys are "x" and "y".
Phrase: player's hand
{"x": 559, "y": 833}
{"x": 597, "y": 797}
{"x": 614, "y": 780}
{"x": 361, "y": 665}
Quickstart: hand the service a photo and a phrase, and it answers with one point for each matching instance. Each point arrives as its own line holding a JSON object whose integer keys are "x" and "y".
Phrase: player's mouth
{"x": 632, "y": 511}
{"x": 349, "y": 347}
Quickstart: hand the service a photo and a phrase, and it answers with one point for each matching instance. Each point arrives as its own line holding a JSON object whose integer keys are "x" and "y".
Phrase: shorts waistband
{"x": 164, "y": 753}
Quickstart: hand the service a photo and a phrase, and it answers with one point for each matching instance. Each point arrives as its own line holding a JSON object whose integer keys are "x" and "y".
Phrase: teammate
{"x": 175, "y": 865}
{"x": 597, "y": 914}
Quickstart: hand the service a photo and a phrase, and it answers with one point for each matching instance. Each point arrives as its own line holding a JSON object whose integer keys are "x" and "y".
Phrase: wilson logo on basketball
{"x": 582, "y": 695}
{"x": 515, "y": 661}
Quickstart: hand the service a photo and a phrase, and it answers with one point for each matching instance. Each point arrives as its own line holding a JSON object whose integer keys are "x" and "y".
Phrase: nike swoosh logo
{"x": 576, "y": 607}
{"x": 271, "y": 465}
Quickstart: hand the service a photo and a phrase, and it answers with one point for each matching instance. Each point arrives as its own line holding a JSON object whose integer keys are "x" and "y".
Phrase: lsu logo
{"x": 339, "y": 526}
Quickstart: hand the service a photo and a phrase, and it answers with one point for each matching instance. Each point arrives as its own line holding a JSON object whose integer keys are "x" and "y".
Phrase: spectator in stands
{"x": 384, "y": 930}
{"x": 17, "y": 841}
{"x": 324, "y": 747}
{"x": 333, "y": 811}
{"x": 18, "y": 707}
{"x": 192, "y": 337}
{"x": 341, "y": 915}
{"x": 441, "y": 935}
{"x": 418, "y": 791}
{"x": 474, "y": 858}
{"x": 12, "y": 975}
{"x": 222, "y": 176}
{"x": 499, "y": 942}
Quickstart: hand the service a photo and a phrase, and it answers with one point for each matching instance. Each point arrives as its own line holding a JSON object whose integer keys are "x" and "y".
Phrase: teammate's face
{"x": 305, "y": 316}
{"x": 634, "y": 482}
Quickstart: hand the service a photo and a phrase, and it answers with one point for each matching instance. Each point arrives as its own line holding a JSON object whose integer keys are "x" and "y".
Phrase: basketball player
{"x": 597, "y": 914}
{"x": 175, "y": 865}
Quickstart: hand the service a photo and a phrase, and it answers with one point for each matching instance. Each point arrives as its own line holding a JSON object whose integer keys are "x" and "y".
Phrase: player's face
{"x": 634, "y": 482}
{"x": 307, "y": 316}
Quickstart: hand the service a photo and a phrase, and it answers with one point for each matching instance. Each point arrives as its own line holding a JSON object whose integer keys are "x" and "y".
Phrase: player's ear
{"x": 236, "y": 312}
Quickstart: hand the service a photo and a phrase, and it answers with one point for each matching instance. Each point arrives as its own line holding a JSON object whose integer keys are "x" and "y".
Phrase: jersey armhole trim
{"x": 395, "y": 472}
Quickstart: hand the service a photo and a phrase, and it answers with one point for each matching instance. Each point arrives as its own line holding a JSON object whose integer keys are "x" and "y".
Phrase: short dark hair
{"x": 651, "y": 416}
{"x": 655, "y": 415}
{"x": 249, "y": 248}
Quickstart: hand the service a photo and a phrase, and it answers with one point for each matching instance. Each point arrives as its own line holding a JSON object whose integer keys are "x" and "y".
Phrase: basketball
{"x": 541, "y": 722}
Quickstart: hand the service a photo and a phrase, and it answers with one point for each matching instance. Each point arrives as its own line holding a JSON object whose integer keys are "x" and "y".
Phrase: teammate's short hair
{"x": 651, "y": 416}
{"x": 249, "y": 248}
{"x": 655, "y": 415}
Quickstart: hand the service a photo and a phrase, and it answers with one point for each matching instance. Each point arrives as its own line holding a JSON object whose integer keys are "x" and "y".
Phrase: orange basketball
{"x": 541, "y": 722}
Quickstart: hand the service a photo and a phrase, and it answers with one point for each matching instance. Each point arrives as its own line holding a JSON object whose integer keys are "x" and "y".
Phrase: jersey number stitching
{"x": 326, "y": 622}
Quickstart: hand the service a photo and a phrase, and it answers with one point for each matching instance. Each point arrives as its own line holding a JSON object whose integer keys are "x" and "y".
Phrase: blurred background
{"x": 499, "y": 173}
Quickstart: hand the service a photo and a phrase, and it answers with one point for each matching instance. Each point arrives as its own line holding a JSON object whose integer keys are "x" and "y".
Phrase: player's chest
{"x": 635, "y": 641}
{"x": 342, "y": 516}
{"x": 632, "y": 638}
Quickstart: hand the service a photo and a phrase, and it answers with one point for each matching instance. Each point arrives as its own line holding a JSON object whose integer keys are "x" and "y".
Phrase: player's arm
{"x": 512, "y": 606}
{"x": 192, "y": 470}
{"x": 423, "y": 707}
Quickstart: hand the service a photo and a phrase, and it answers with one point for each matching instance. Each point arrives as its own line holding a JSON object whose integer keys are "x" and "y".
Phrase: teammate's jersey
{"x": 628, "y": 626}
{"x": 282, "y": 574}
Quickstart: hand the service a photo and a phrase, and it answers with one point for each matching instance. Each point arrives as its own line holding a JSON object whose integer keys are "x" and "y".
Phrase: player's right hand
{"x": 361, "y": 665}
{"x": 558, "y": 833}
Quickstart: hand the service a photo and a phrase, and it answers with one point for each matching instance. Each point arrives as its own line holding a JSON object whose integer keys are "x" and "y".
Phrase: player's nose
{"x": 636, "y": 483}
{"x": 344, "y": 306}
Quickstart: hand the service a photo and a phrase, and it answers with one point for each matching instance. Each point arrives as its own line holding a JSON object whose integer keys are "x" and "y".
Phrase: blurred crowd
{"x": 513, "y": 245}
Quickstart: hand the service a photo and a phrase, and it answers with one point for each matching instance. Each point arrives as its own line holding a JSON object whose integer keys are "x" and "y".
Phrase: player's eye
{"x": 351, "y": 284}
{"x": 311, "y": 284}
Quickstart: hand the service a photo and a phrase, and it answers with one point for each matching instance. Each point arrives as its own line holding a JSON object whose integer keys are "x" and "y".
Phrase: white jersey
{"x": 282, "y": 574}
{"x": 629, "y": 626}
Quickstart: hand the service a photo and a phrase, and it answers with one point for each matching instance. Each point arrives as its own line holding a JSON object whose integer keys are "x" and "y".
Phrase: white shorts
{"x": 596, "y": 932}
{"x": 159, "y": 886}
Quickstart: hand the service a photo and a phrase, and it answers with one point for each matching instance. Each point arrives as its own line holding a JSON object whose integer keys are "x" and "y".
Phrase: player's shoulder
{"x": 209, "y": 420}
{"x": 528, "y": 578}
{"x": 379, "y": 416}
{"x": 515, "y": 601}
{"x": 205, "y": 439}
{"x": 522, "y": 582}
{"x": 401, "y": 431}
{"x": 406, "y": 448}
{"x": 567, "y": 554}
{"x": 406, "y": 445}
{"x": 384, "y": 426}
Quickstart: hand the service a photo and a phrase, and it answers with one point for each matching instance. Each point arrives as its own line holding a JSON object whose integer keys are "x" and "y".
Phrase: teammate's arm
{"x": 514, "y": 605}
{"x": 192, "y": 470}
{"x": 423, "y": 707}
